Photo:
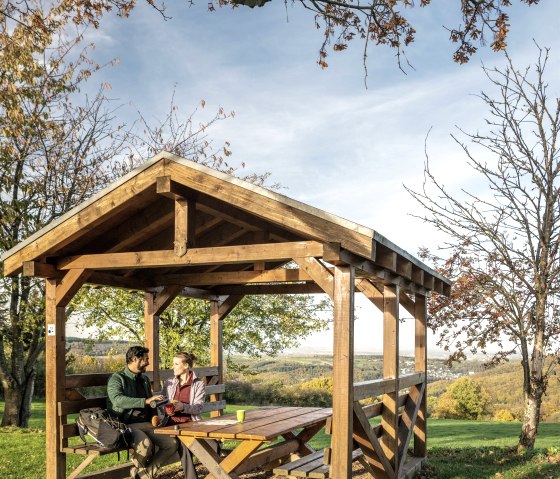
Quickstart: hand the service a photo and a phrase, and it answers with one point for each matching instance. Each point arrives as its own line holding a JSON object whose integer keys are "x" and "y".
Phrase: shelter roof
{"x": 173, "y": 221}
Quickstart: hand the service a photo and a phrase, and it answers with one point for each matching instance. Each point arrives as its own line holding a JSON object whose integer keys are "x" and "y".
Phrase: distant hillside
{"x": 85, "y": 346}
{"x": 293, "y": 369}
{"x": 504, "y": 385}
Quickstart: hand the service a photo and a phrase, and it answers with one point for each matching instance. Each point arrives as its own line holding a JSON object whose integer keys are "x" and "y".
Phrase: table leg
{"x": 304, "y": 436}
{"x": 207, "y": 456}
{"x": 236, "y": 457}
{"x": 219, "y": 468}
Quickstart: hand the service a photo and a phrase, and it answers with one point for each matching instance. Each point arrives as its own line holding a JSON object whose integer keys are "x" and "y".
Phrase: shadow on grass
{"x": 491, "y": 462}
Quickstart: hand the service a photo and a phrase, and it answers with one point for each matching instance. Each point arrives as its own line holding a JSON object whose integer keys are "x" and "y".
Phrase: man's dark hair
{"x": 135, "y": 352}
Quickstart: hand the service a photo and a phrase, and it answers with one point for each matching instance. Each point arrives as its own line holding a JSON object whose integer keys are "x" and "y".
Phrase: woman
{"x": 185, "y": 392}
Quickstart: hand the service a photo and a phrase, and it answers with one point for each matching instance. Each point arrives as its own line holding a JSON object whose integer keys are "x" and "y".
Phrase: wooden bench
{"x": 314, "y": 465}
{"x": 75, "y": 402}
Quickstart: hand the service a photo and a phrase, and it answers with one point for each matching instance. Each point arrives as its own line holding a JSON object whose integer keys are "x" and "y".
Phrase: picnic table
{"x": 262, "y": 425}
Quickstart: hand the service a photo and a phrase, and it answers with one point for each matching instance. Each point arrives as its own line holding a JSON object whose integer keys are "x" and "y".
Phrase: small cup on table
{"x": 241, "y": 415}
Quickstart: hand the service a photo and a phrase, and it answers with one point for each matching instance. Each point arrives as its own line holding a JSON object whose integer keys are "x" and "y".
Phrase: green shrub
{"x": 464, "y": 399}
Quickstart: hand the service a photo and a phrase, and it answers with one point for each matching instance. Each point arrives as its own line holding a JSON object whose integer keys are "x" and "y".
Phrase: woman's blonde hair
{"x": 187, "y": 358}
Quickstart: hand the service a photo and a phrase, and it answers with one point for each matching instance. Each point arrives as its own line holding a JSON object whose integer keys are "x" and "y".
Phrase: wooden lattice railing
{"x": 384, "y": 448}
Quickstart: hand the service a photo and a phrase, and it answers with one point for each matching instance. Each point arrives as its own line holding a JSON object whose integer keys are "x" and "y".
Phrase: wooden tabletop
{"x": 261, "y": 424}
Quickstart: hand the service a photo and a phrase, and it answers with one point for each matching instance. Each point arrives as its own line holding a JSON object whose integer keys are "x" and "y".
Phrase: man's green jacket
{"x": 121, "y": 393}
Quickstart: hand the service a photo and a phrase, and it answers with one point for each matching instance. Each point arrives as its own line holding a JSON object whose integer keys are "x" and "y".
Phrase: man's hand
{"x": 159, "y": 397}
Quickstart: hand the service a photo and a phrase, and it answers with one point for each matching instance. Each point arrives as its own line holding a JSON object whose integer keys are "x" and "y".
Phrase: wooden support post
{"x": 151, "y": 336}
{"x": 55, "y": 380}
{"x": 216, "y": 348}
{"x": 421, "y": 365}
{"x": 260, "y": 236}
{"x": 389, "y": 417}
{"x": 343, "y": 372}
{"x": 218, "y": 311}
{"x": 184, "y": 226}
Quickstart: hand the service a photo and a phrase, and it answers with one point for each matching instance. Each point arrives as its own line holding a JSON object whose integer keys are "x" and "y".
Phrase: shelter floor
{"x": 175, "y": 472}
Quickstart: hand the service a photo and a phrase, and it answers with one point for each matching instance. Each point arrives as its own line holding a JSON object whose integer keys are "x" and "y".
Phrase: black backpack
{"x": 104, "y": 429}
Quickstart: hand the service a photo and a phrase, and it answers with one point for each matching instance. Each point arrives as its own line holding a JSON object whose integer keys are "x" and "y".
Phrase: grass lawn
{"x": 457, "y": 450}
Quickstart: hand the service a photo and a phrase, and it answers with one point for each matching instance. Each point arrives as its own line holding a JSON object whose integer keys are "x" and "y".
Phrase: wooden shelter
{"x": 173, "y": 227}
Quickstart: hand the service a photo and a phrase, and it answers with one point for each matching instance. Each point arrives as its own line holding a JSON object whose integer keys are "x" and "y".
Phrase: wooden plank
{"x": 281, "y": 423}
{"x": 79, "y": 221}
{"x": 386, "y": 258}
{"x": 165, "y": 297}
{"x": 41, "y": 270}
{"x": 100, "y": 379}
{"x": 185, "y": 230}
{"x": 55, "y": 380}
{"x": 429, "y": 281}
{"x": 343, "y": 371}
{"x": 195, "y": 256}
{"x": 270, "y": 289}
{"x": 418, "y": 275}
{"x": 119, "y": 471}
{"x": 404, "y": 267}
{"x": 369, "y": 444}
{"x": 320, "y": 274}
{"x": 407, "y": 303}
{"x": 268, "y": 455}
{"x": 389, "y": 417}
{"x": 151, "y": 336}
{"x": 374, "y": 410}
{"x": 411, "y": 379}
{"x": 235, "y": 277}
{"x": 70, "y": 407}
{"x": 373, "y": 388}
{"x": 207, "y": 428}
{"x": 371, "y": 292}
{"x": 215, "y": 389}
{"x": 199, "y": 293}
{"x": 69, "y": 285}
{"x": 289, "y": 468}
{"x": 408, "y": 419}
{"x": 237, "y": 456}
{"x": 216, "y": 343}
{"x": 421, "y": 365}
{"x": 260, "y": 236}
{"x": 145, "y": 224}
{"x": 117, "y": 281}
{"x": 223, "y": 235}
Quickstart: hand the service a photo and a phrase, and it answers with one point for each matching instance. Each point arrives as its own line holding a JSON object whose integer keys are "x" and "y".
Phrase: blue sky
{"x": 327, "y": 139}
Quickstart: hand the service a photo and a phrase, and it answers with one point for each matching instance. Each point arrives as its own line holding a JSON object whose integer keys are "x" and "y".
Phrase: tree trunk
{"x": 531, "y": 418}
{"x": 534, "y": 383}
{"x": 17, "y": 409}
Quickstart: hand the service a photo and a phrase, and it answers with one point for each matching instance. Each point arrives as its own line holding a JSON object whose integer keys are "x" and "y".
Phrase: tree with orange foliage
{"x": 505, "y": 239}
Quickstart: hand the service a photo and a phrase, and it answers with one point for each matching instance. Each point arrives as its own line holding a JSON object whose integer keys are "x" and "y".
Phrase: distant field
{"x": 457, "y": 450}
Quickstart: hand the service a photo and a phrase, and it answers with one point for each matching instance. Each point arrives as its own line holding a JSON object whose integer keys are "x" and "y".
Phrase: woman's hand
{"x": 179, "y": 406}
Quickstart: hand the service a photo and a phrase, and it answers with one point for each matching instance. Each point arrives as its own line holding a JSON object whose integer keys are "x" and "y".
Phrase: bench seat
{"x": 312, "y": 466}
{"x": 91, "y": 449}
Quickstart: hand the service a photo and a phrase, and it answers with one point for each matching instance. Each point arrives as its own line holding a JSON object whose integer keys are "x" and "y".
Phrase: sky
{"x": 326, "y": 138}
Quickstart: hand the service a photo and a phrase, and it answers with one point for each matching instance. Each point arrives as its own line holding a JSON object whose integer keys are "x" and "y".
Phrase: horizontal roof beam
{"x": 194, "y": 256}
{"x": 235, "y": 277}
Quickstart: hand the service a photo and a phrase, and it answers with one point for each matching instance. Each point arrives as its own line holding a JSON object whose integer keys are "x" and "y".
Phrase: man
{"x": 129, "y": 394}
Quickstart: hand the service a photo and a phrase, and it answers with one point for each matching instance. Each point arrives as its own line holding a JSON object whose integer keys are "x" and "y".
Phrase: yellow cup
{"x": 241, "y": 415}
